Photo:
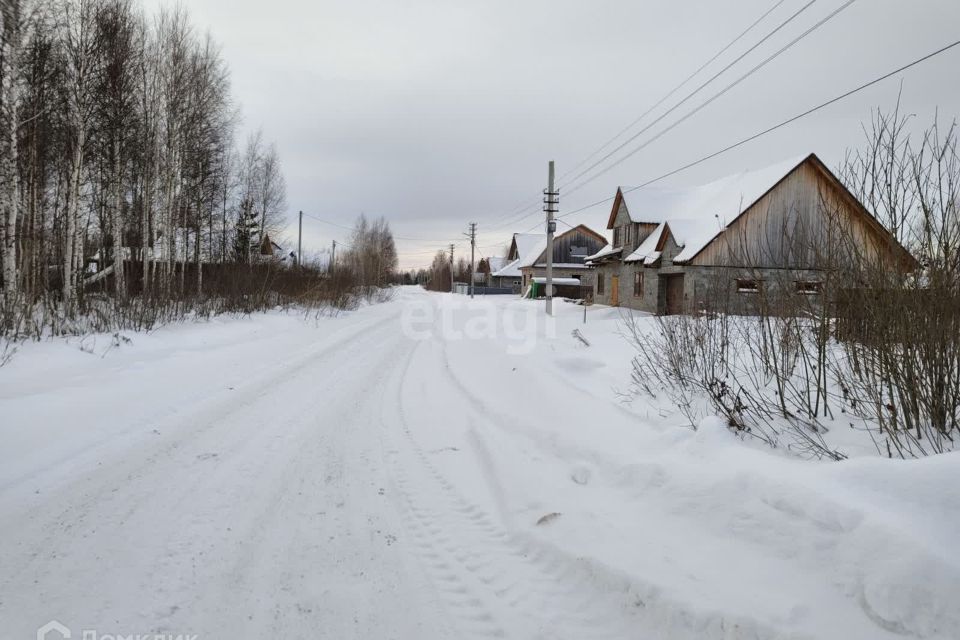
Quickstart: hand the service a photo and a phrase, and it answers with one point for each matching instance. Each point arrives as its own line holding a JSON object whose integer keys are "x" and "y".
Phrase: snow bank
{"x": 707, "y": 535}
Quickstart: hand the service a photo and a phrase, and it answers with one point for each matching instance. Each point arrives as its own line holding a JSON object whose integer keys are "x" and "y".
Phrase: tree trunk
{"x": 70, "y": 249}
{"x": 9, "y": 178}
{"x": 10, "y": 197}
{"x": 196, "y": 252}
{"x": 120, "y": 281}
{"x": 145, "y": 208}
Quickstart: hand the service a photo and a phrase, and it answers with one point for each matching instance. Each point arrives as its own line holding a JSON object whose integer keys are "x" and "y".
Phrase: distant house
{"x": 673, "y": 247}
{"x": 271, "y": 251}
{"x": 487, "y": 268}
{"x": 522, "y": 245}
{"x": 570, "y": 251}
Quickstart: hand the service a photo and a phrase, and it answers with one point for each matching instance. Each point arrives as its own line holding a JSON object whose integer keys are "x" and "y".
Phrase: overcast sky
{"x": 436, "y": 113}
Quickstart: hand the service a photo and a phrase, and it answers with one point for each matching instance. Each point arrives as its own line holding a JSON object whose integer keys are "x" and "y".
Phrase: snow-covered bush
{"x": 761, "y": 374}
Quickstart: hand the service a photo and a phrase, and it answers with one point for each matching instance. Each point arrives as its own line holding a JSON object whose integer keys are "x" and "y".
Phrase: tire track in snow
{"x": 176, "y": 432}
{"x": 495, "y": 582}
{"x": 261, "y": 474}
{"x": 170, "y": 424}
{"x": 643, "y": 602}
{"x": 440, "y": 556}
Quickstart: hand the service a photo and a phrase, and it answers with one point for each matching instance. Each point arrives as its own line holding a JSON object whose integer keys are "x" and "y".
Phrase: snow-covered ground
{"x": 435, "y": 468}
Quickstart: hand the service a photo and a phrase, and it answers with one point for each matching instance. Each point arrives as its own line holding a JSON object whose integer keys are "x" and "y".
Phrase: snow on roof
{"x": 512, "y": 270}
{"x": 563, "y": 265}
{"x": 496, "y": 263}
{"x": 608, "y": 250}
{"x": 648, "y": 248}
{"x": 697, "y": 215}
{"x": 557, "y": 281}
{"x": 529, "y": 247}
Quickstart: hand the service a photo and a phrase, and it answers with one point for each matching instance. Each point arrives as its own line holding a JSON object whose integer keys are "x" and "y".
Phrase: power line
{"x": 521, "y": 206}
{"x": 700, "y": 107}
{"x": 693, "y": 93}
{"x": 775, "y": 127}
{"x": 678, "y": 87}
{"x": 405, "y": 254}
{"x": 395, "y": 237}
{"x": 420, "y": 253}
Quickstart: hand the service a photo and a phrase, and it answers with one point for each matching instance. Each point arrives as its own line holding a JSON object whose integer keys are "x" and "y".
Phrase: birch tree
{"x": 207, "y": 127}
{"x": 272, "y": 191}
{"x": 118, "y": 144}
{"x": 81, "y": 49}
{"x": 117, "y": 33}
{"x": 40, "y": 152}
{"x": 11, "y": 43}
{"x": 174, "y": 36}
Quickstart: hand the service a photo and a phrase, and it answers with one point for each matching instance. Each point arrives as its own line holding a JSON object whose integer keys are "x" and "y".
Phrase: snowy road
{"x": 411, "y": 470}
{"x": 257, "y": 511}
{"x": 294, "y": 504}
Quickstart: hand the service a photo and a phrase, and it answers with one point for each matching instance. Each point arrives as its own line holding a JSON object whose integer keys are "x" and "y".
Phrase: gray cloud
{"x": 436, "y": 113}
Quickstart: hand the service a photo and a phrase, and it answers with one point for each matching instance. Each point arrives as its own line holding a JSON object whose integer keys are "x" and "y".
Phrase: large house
{"x": 673, "y": 250}
{"x": 528, "y": 256}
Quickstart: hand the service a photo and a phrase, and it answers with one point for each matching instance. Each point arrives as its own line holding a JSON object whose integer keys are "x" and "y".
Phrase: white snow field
{"x": 431, "y": 468}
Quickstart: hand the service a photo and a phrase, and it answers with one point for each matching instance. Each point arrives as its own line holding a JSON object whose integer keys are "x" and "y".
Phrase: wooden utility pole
{"x": 550, "y": 202}
{"x": 452, "y": 288}
{"x": 300, "y": 242}
{"x": 473, "y": 245}
{"x": 333, "y": 256}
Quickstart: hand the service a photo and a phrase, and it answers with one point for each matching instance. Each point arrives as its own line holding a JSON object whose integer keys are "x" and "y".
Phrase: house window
{"x": 599, "y": 284}
{"x": 616, "y": 237}
{"x": 626, "y": 232}
{"x": 578, "y": 252}
{"x": 638, "y": 284}
{"x": 745, "y": 285}
{"x": 809, "y": 287}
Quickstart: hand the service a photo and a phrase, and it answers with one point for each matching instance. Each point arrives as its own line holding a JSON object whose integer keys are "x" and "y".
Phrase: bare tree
{"x": 372, "y": 254}
{"x": 271, "y": 191}
{"x": 118, "y": 151}
{"x": 116, "y": 113}
{"x": 81, "y": 49}
{"x": 12, "y": 18}
{"x": 438, "y": 278}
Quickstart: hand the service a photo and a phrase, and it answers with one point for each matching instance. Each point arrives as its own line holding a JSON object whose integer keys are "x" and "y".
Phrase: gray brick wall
{"x": 702, "y": 286}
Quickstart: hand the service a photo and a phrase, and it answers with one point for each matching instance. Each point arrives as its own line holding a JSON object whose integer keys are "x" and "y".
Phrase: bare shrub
{"x": 746, "y": 369}
{"x": 229, "y": 288}
{"x": 845, "y": 319}
{"x": 900, "y": 328}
